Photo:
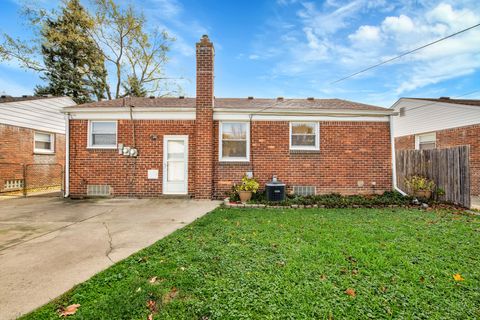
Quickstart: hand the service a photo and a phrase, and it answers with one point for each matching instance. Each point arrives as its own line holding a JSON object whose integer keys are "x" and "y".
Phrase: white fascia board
{"x": 262, "y": 117}
{"x": 394, "y": 106}
{"x": 124, "y": 113}
{"x": 329, "y": 112}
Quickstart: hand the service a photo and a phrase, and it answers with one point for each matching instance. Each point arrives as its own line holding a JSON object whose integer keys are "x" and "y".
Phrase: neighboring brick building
{"x": 202, "y": 146}
{"x": 440, "y": 123}
{"x": 32, "y": 141}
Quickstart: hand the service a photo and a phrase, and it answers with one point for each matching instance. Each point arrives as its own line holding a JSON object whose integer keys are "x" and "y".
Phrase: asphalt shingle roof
{"x": 237, "y": 103}
{"x": 470, "y": 102}
{"x": 5, "y": 98}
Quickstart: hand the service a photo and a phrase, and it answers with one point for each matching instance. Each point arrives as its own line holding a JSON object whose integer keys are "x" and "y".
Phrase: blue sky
{"x": 295, "y": 48}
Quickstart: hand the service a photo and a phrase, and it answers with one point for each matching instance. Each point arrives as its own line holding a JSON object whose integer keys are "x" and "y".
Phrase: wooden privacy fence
{"x": 448, "y": 168}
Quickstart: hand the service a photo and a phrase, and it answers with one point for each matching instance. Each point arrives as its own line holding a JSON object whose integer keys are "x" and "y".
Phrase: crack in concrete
{"x": 110, "y": 245}
{"x": 58, "y": 229}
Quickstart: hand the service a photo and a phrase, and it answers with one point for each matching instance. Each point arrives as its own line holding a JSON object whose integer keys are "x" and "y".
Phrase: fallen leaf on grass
{"x": 169, "y": 296}
{"x": 458, "y": 277}
{"x": 152, "y": 305}
{"x": 153, "y": 280}
{"x": 70, "y": 310}
{"x": 351, "y": 292}
{"x": 238, "y": 223}
{"x": 323, "y": 277}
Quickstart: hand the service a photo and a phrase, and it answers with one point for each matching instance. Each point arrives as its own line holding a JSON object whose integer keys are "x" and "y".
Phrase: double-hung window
{"x": 102, "y": 134}
{"x": 425, "y": 141}
{"x": 234, "y": 141}
{"x": 304, "y": 136}
{"x": 44, "y": 142}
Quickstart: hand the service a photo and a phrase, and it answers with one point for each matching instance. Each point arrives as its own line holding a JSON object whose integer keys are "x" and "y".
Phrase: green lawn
{"x": 295, "y": 264}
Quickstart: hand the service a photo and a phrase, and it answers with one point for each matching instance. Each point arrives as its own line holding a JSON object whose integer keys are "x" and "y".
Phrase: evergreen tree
{"x": 73, "y": 64}
{"x": 134, "y": 88}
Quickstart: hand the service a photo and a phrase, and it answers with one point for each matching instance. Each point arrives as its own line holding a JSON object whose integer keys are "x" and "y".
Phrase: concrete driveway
{"x": 47, "y": 245}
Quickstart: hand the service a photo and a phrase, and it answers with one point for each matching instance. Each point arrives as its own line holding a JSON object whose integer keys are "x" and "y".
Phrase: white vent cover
{"x": 98, "y": 190}
{"x": 13, "y": 184}
{"x": 304, "y": 190}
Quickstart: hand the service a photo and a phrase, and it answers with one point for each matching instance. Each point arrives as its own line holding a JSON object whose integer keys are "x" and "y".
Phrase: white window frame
{"x": 52, "y": 143}
{"x": 89, "y": 138}
{"x": 418, "y": 136}
{"x": 220, "y": 143}
{"x": 317, "y": 136}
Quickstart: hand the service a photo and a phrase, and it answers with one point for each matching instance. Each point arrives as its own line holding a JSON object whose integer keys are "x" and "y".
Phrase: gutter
{"x": 394, "y": 162}
{"x": 67, "y": 156}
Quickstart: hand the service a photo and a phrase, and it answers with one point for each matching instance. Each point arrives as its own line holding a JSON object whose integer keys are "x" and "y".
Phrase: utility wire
{"x": 404, "y": 54}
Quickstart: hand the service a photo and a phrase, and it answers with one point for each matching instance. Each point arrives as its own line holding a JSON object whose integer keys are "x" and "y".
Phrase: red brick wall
{"x": 468, "y": 135}
{"x": 204, "y": 119}
{"x": 349, "y": 152}
{"x": 16, "y": 148}
{"x": 405, "y": 143}
{"x": 127, "y": 176}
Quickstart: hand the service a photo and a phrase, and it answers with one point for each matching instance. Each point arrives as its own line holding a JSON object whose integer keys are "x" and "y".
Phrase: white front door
{"x": 175, "y": 164}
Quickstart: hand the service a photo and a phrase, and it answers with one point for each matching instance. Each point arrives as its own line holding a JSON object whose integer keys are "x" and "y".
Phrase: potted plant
{"x": 247, "y": 188}
{"x": 421, "y": 187}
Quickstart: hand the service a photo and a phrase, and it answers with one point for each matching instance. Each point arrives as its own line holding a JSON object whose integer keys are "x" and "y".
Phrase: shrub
{"x": 335, "y": 200}
{"x": 248, "y": 184}
{"x": 419, "y": 183}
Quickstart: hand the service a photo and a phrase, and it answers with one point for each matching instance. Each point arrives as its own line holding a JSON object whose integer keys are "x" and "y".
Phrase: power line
{"x": 404, "y": 54}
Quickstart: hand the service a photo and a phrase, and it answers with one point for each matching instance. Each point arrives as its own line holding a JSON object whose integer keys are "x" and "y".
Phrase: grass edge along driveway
{"x": 288, "y": 264}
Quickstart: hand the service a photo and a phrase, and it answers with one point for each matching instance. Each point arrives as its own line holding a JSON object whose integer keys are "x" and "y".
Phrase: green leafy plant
{"x": 419, "y": 183}
{"x": 440, "y": 192}
{"x": 335, "y": 200}
{"x": 248, "y": 184}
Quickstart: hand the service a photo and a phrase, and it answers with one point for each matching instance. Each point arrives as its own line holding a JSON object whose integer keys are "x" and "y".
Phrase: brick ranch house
{"x": 202, "y": 146}
{"x": 32, "y": 141}
{"x": 428, "y": 123}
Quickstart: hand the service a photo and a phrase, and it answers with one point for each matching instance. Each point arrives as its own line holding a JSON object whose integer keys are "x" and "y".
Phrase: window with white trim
{"x": 102, "y": 134}
{"x": 234, "y": 141}
{"x": 304, "y": 136}
{"x": 44, "y": 142}
{"x": 426, "y": 141}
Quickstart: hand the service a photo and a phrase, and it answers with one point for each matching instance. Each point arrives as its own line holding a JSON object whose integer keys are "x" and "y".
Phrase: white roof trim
{"x": 286, "y": 117}
{"x": 282, "y": 111}
{"x": 136, "y": 114}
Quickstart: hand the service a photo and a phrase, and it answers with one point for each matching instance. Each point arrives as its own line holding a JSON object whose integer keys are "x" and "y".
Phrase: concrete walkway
{"x": 47, "y": 245}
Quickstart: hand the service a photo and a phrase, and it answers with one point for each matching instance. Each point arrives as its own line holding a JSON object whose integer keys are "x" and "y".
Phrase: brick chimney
{"x": 204, "y": 140}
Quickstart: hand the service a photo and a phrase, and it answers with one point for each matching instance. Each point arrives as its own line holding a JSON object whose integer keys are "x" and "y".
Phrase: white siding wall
{"x": 427, "y": 116}
{"x": 41, "y": 114}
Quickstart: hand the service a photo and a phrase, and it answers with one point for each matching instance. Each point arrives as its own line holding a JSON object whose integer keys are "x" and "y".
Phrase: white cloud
{"x": 400, "y": 24}
{"x": 325, "y": 47}
{"x": 366, "y": 35}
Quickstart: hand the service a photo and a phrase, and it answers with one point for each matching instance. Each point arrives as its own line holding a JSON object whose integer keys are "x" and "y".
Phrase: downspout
{"x": 67, "y": 156}
{"x": 250, "y": 116}
{"x": 394, "y": 162}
